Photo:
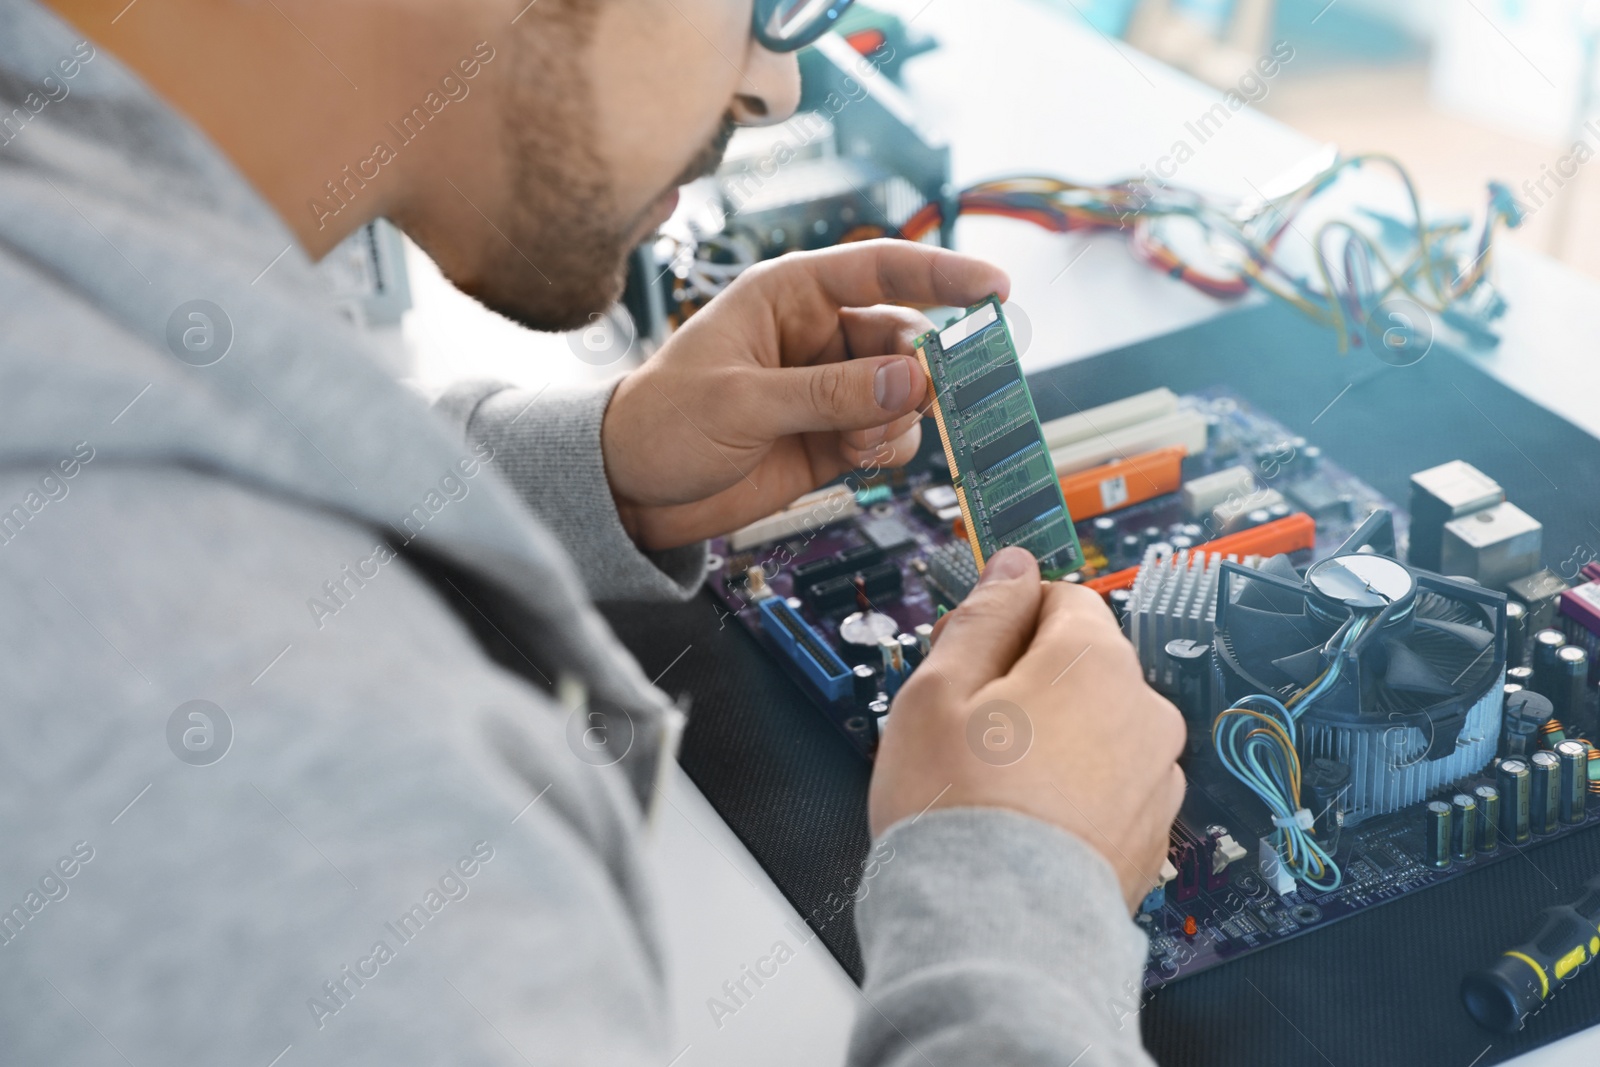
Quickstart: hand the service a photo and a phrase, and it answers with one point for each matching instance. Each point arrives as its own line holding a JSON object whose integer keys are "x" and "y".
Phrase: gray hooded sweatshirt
{"x": 312, "y": 744}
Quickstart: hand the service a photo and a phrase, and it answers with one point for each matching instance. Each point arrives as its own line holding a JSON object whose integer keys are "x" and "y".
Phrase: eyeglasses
{"x": 787, "y": 25}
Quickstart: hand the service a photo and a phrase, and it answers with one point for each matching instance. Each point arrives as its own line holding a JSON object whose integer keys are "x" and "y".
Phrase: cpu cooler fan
{"x": 1417, "y": 701}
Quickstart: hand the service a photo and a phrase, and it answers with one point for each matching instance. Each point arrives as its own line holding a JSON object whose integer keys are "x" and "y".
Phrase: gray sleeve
{"x": 367, "y": 843}
{"x": 547, "y": 445}
{"x": 992, "y": 937}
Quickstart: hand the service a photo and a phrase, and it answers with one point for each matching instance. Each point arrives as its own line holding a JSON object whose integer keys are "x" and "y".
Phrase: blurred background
{"x": 1427, "y": 81}
{"x": 1462, "y": 92}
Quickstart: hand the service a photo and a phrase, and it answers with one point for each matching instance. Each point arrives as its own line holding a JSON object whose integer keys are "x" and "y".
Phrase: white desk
{"x": 1017, "y": 89}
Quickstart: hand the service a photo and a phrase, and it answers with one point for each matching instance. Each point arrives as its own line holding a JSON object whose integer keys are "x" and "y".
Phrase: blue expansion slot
{"x": 805, "y": 648}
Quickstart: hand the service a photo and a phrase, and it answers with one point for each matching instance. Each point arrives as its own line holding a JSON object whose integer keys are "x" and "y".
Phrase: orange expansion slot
{"x": 1287, "y": 534}
{"x": 1112, "y": 486}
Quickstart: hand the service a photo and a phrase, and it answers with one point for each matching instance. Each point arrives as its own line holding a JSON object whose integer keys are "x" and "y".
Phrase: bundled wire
{"x": 1440, "y": 267}
{"x": 1355, "y": 276}
{"x": 1256, "y": 740}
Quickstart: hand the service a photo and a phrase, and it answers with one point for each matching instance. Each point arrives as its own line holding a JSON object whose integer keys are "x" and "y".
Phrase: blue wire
{"x": 1267, "y": 780}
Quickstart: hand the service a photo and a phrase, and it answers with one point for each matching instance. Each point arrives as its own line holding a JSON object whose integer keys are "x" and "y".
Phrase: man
{"x": 302, "y": 678}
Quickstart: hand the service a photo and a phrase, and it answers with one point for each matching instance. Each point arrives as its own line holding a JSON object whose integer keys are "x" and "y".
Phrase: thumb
{"x": 854, "y": 394}
{"x": 984, "y": 637}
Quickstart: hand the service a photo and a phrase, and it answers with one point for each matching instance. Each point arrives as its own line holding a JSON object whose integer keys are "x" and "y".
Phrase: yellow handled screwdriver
{"x": 1502, "y": 996}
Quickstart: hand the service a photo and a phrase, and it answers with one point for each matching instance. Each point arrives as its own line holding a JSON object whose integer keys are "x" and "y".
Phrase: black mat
{"x": 1376, "y": 989}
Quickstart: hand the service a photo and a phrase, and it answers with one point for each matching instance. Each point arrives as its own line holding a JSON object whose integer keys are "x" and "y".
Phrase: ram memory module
{"x": 999, "y": 463}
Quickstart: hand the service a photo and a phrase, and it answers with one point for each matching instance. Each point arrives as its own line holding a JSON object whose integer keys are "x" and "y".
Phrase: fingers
{"x": 882, "y": 330}
{"x": 1155, "y": 820}
{"x": 983, "y": 638}
{"x": 896, "y": 451}
{"x": 857, "y": 394}
{"x": 1075, "y": 628}
{"x": 1077, "y": 631}
{"x": 866, "y": 442}
{"x": 899, "y": 272}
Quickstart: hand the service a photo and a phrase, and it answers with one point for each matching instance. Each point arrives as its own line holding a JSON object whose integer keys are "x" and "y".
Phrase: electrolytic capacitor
{"x": 1438, "y": 827}
{"x": 1546, "y": 643}
{"x": 1151, "y": 535}
{"x": 1574, "y": 757}
{"x": 1464, "y": 827}
{"x": 1522, "y": 676}
{"x": 1570, "y": 686}
{"x": 1544, "y": 809}
{"x": 1179, "y": 542}
{"x": 1104, "y": 527}
{"x": 865, "y": 683}
{"x": 892, "y": 660}
{"x": 1522, "y": 717}
{"x": 879, "y": 710}
{"x": 1191, "y": 662}
{"x": 1514, "y": 785}
{"x": 1130, "y": 548}
{"x": 1516, "y": 633}
{"x": 1119, "y": 599}
{"x": 910, "y": 653}
{"x": 924, "y": 632}
{"x": 1488, "y": 817}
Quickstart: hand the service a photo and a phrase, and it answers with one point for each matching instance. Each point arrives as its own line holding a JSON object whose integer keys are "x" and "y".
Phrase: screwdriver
{"x": 1501, "y": 996}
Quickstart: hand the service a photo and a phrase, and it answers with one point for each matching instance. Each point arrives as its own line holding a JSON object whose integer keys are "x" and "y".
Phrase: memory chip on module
{"x": 999, "y": 463}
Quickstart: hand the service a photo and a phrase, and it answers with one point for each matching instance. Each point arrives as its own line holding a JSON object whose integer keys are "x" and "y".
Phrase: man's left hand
{"x": 800, "y": 371}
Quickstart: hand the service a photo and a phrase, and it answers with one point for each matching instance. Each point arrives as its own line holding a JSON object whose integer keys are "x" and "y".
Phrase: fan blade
{"x": 1410, "y": 673}
{"x": 1261, "y": 638}
{"x": 1269, "y": 598}
{"x": 1475, "y": 637}
{"x": 1303, "y": 667}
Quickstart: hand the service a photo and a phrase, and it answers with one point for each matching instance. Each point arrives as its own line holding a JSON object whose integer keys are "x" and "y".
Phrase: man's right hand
{"x": 1033, "y": 700}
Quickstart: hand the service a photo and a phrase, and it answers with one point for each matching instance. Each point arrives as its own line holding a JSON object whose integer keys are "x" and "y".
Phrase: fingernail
{"x": 1005, "y": 564}
{"x": 891, "y": 387}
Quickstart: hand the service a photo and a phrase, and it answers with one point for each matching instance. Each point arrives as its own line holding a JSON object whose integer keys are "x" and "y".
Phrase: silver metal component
{"x": 1439, "y": 495}
{"x": 952, "y": 570}
{"x": 1173, "y": 597}
{"x": 1390, "y": 764}
{"x": 1495, "y": 546}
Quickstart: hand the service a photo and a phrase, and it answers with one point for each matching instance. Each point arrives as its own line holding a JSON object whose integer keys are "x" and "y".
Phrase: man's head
{"x": 527, "y": 147}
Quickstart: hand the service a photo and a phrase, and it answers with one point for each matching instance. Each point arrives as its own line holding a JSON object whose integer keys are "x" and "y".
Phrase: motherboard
{"x": 1436, "y": 721}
